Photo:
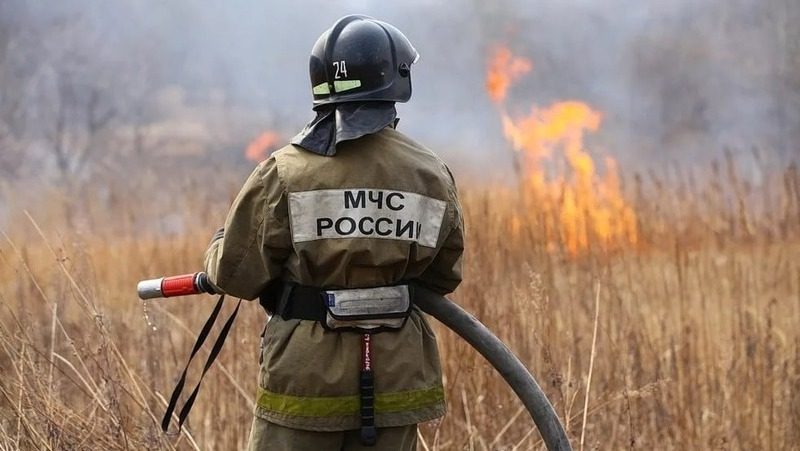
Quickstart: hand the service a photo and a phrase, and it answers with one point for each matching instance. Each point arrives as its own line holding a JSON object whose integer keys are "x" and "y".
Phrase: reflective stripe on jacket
{"x": 383, "y": 211}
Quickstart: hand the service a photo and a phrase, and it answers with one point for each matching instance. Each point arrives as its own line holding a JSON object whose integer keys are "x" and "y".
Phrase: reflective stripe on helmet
{"x": 346, "y": 85}
{"x": 321, "y": 89}
{"x": 334, "y": 406}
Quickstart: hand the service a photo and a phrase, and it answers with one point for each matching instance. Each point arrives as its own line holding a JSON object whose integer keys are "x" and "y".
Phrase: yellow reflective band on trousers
{"x": 335, "y": 406}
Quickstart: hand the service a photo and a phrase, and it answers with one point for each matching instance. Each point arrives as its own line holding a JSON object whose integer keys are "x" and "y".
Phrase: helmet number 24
{"x": 340, "y": 69}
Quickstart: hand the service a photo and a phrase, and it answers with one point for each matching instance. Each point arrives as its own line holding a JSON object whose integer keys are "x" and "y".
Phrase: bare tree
{"x": 81, "y": 114}
{"x": 80, "y": 104}
{"x": 11, "y": 156}
{"x": 784, "y": 16}
{"x": 11, "y": 101}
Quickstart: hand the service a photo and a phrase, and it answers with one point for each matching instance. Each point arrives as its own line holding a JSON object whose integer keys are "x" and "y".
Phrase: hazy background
{"x": 107, "y": 84}
{"x": 123, "y": 129}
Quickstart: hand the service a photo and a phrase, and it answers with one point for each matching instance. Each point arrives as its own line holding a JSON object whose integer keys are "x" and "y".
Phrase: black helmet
{"x": 359, "y": 59}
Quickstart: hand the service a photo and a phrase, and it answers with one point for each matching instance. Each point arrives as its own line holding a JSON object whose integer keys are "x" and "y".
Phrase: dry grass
{"x": 696, "y": 347}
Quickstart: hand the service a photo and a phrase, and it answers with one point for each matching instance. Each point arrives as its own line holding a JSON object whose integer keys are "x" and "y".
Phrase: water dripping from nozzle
{"x": 147, "y": 318}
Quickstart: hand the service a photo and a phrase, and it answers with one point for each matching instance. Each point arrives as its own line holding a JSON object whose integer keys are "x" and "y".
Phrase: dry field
{"x": 697, "y": 343}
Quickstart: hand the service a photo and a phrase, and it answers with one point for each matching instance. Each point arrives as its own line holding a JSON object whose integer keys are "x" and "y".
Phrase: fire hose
{"x": 448, "y": 313}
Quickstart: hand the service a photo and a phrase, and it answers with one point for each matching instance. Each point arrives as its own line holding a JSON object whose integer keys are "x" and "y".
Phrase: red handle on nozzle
{"x": 183, "y": 285}
{"x": 167, "y": 287}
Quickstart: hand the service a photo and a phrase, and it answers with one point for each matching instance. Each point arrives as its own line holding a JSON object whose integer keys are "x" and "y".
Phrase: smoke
{"x": 678, "y": 80}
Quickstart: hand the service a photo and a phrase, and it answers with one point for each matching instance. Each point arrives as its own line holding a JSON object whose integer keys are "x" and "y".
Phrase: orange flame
{"x": 504, "y": 69}
{"x": 260, "y": 148}
{"x": 586, "y": 207}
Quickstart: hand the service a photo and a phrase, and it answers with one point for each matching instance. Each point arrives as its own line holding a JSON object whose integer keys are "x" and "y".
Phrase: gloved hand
{"x": 217, "y": 235}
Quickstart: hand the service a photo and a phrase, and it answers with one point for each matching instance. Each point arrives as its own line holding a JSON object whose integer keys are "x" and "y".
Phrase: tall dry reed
{"x": 696, "y": 344}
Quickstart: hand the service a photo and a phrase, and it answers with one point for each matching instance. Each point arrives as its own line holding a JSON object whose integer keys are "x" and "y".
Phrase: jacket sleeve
{"x": 444, "y": 273}
{"x": 256, "y": 241}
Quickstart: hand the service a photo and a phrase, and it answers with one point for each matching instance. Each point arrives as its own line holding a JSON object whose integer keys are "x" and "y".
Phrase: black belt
{"x": 302, "y": 302}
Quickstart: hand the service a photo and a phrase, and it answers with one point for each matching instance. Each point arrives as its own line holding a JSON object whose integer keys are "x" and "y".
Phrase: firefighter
{"x": 332, "y": 233}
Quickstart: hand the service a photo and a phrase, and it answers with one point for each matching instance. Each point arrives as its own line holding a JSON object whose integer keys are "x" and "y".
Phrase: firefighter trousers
{"x": 270, "y": 436}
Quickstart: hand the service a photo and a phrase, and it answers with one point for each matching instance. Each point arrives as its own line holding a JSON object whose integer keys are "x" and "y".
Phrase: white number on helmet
{"x": 340, "y": 69}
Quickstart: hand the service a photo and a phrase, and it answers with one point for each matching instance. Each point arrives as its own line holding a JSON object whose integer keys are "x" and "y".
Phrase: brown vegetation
{"x": 697, "y": 343}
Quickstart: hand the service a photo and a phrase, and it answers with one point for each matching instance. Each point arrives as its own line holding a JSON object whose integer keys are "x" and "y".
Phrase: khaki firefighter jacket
{"x": 383, "y": 211}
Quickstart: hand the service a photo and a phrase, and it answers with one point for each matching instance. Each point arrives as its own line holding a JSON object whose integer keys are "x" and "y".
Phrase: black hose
{"x": 502, "y": 359}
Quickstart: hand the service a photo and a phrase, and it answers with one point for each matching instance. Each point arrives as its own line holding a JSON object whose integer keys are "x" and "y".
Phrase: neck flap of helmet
{"x": 341, "y": 122}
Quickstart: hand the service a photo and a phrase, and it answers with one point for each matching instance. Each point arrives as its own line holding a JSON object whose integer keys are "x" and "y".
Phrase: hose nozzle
{"x": 167, "y": 287}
